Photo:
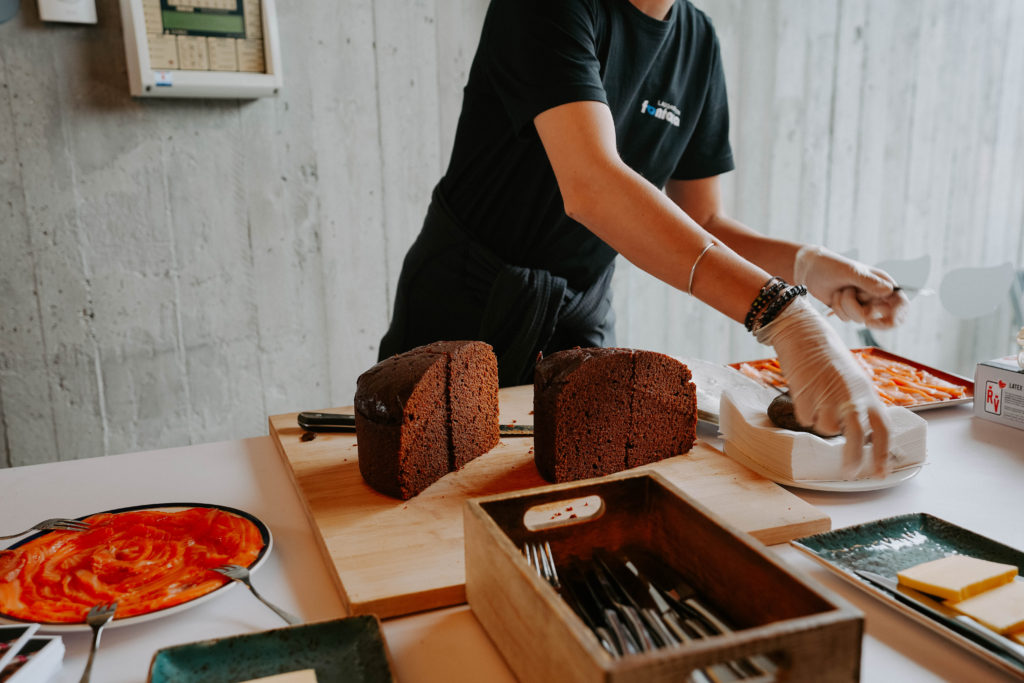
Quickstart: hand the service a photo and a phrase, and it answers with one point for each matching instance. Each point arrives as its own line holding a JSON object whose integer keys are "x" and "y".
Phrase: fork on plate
{"x": 241, "y": 574}
{"x": 97, "y": 618}
{"x": 52, "y": 524}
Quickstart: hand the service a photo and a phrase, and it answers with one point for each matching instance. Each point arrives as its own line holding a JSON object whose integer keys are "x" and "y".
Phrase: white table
{"x": 973, "y": 479}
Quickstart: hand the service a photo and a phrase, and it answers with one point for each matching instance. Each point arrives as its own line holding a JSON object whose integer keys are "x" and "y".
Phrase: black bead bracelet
{"x": 774, "y": 296}
{"x": 777, "y": 305}
{"x": 768, "y": 292}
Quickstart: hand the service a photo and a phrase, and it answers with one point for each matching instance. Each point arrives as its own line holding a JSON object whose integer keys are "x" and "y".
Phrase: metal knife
{"x": 946, "y": 616}
{"x": 629, "y": 614}
{"x": 589, "y": 613}
{"x": 344, "y": 422}
{"x": 636, "y": 597}
{"x": 667, "y": 586}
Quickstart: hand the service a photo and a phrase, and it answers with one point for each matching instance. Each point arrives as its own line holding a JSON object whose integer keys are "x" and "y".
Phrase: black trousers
{"x": 452, "y": 287}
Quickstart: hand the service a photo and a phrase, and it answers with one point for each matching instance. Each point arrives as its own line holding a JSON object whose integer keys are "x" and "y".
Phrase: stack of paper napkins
{"x": 801, "y": 456}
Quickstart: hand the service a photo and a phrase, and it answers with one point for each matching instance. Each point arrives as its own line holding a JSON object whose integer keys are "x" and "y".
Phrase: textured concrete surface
{"x": 171, "y": 272}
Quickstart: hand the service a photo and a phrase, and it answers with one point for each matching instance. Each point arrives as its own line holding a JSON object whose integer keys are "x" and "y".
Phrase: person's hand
{"x": 831, "y": 391}
{"x": 853, "y": 290}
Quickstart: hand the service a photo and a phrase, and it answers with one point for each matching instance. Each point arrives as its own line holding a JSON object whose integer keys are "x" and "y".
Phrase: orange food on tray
{"x": 146, "y": 560}
{"x": 897, "y": 383}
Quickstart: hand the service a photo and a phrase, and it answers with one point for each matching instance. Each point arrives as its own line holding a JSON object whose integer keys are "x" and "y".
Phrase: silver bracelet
{"x": 693, "y": 268}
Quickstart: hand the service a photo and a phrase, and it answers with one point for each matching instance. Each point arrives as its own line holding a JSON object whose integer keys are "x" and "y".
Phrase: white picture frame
{"x": 146, "y": 81}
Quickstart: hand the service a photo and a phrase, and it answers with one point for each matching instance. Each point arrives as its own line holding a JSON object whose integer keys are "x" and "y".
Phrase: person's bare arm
{"x": 830, "y": 391}
{"x": 701, "y": 200}
{"x": 633, "y": 216}
{"x": 853, "y": 290}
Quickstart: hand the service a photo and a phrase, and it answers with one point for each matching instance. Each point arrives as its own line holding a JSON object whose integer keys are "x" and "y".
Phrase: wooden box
{"x": 807, "y": 632}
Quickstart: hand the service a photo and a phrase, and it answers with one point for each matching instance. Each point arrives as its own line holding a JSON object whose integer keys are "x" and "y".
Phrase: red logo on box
{"x": 994, "y": 397}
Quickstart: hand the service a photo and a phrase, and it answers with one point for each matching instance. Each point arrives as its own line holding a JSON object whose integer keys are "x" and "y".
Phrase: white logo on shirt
{"x": 664, "y": 111}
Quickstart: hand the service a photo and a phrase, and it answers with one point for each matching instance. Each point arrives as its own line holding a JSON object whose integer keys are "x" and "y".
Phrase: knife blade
{"x": 946, "y": 616}
{"x": 624, "y": 640}
{"x": 636, "y": 596}
{"x": 345, "y": 422}
{"x": 627, "y": 612}
{"x": 684, "y": 614}
{"x": 590, "y": 614}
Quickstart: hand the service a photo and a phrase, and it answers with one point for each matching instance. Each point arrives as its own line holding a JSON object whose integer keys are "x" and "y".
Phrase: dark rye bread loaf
{"x": 599, "y": 411}
{"x": 424, "y": 413}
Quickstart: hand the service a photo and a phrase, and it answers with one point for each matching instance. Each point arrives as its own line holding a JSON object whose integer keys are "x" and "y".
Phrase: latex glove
{"x": 853, "y": 290}
{"x": 831, "y": 391}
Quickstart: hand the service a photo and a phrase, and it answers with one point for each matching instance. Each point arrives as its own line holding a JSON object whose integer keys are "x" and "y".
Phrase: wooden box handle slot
{"x": 562, "y": 513}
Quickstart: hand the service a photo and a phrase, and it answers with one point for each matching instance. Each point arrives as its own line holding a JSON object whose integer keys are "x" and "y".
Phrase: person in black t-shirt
{"x": 591, "y": 128}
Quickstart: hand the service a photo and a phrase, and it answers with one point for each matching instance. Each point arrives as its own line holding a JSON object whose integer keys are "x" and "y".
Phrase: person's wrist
{"x": 798, "y": 315}
{"x": 775, "y": 296}
{"x": 803, "y": 262}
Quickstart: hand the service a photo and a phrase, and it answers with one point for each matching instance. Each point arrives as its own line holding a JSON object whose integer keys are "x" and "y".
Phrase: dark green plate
{"x": 350, "y": 649}
{"x": 891, "y": 545}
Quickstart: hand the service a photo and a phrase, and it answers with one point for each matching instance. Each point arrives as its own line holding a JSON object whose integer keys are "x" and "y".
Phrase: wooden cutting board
{"x": 395, "y": 557}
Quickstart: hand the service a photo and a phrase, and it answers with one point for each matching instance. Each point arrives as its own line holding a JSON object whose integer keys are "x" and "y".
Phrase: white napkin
{"x": 802, "y": 456}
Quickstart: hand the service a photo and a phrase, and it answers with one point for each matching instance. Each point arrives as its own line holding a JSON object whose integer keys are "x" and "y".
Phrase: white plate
{"x": 711, "y": 379}
{"x": 61, "y": 627}
{"x": 848, "y": 486}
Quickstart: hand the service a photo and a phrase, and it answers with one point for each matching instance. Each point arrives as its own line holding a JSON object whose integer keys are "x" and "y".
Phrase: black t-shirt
{"x": 662, "y": 80}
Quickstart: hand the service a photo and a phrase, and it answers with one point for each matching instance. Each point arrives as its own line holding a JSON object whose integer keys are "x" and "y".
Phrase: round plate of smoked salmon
{"x": 154, "y": 560}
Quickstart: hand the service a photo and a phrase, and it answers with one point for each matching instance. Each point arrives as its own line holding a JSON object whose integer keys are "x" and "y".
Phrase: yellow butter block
{"x": 957, "y": 577}
{"x": 1001, "y": 609}
{"x": 303, "y": 676}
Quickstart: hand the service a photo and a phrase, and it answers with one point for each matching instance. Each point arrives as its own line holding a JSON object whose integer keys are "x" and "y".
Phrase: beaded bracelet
{"x": 773, "y": 309}
{"x": 768, "y": 292}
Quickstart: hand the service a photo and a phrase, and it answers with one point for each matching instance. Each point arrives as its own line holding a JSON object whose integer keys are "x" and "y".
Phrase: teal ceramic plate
{"x": 350, "y": 650}
{"x": 890, "y": 545}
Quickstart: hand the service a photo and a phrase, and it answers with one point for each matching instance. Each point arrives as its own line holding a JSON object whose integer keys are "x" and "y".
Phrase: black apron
{"x": 452, "y": 287}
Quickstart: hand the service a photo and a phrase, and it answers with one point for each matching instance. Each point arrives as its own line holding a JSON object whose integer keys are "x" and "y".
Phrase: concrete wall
{"x": 172, "y": 272}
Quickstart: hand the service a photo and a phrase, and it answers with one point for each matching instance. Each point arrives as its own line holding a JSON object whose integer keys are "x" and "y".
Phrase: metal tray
{"x": 967, "y": 384}
{"x": 890, "y": 545}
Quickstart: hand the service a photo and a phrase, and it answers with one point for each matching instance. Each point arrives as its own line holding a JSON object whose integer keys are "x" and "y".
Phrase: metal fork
{"x": 51, "y": 524}
{"x": 241, "y": 574}
{"x": 540, "y": 558}
{"x": 97, "y": 618}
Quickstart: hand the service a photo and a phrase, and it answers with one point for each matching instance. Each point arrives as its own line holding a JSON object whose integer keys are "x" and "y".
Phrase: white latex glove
{"x": 831, "y": 391}
{"x": 853, "y": 290}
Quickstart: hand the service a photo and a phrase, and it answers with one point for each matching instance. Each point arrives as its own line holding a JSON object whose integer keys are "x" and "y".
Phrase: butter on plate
{"x": 957, "y": 577}
{"x": 302, "y": 676}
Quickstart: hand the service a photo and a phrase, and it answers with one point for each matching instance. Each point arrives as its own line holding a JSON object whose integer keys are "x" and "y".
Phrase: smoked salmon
{"x": 146, "y": 560}
{"x": 897, "y": 383}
